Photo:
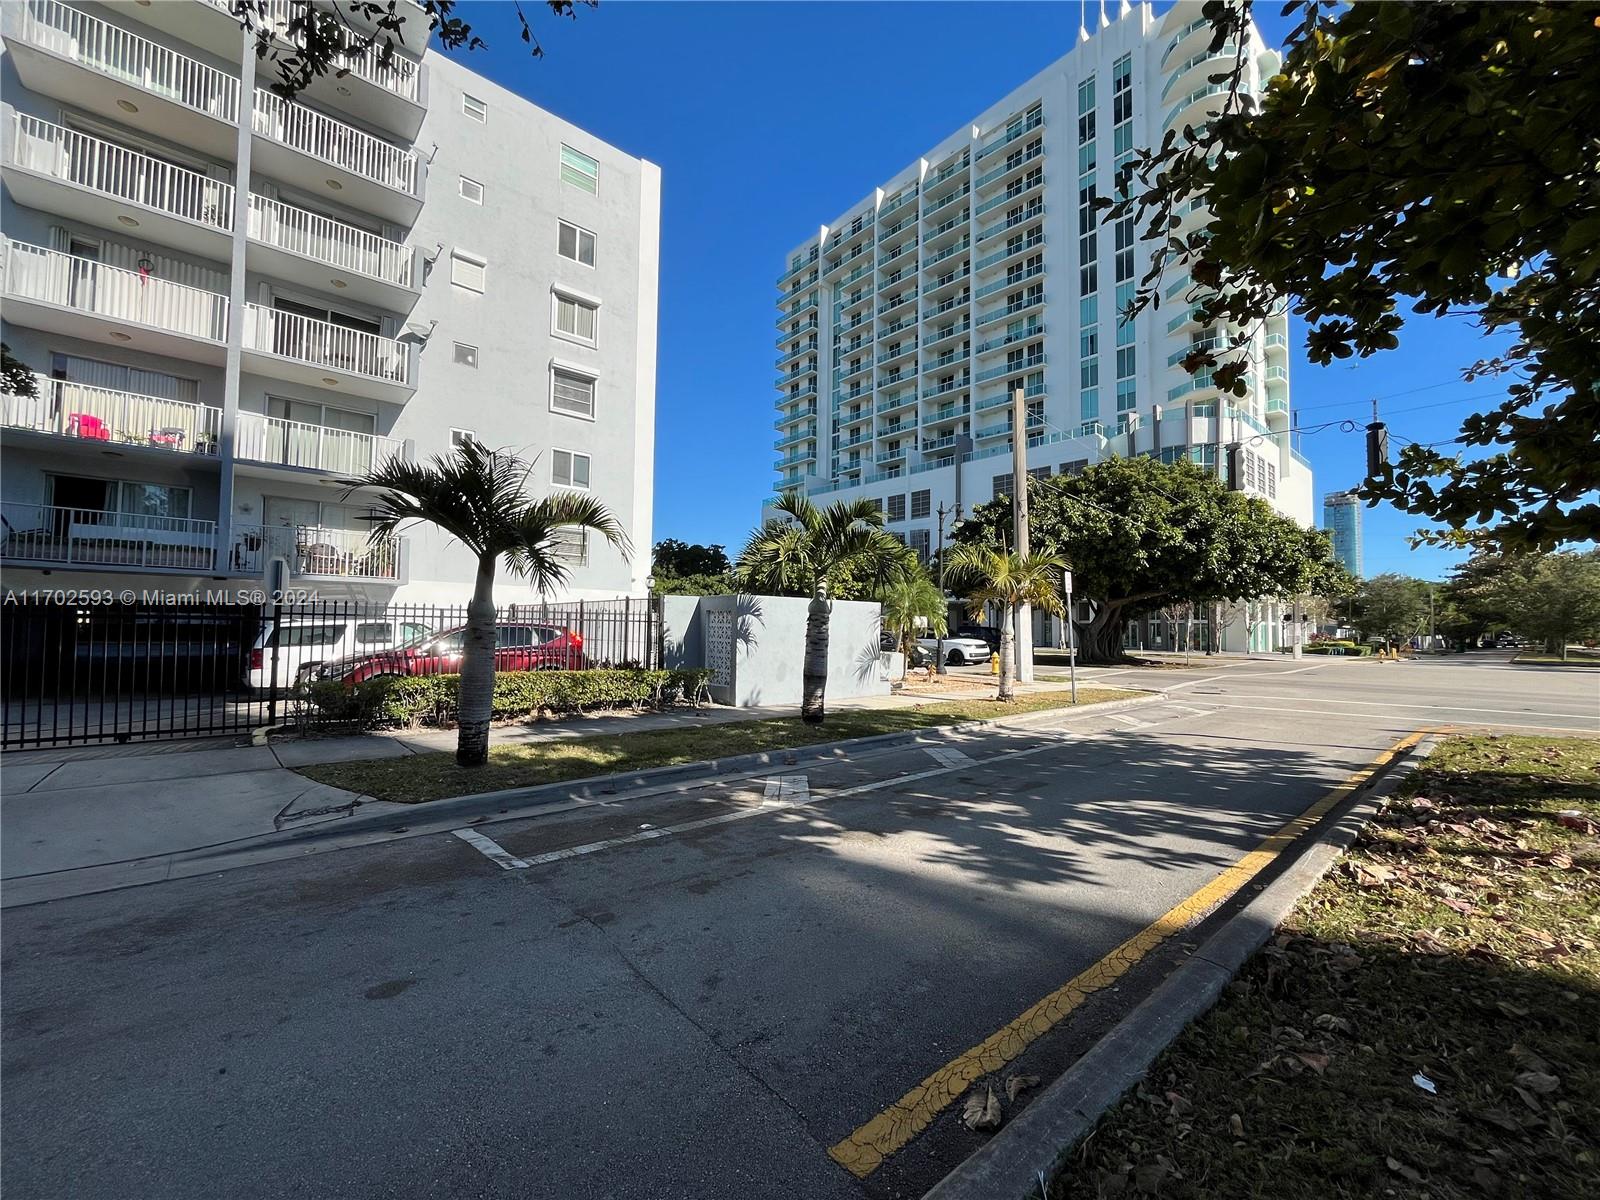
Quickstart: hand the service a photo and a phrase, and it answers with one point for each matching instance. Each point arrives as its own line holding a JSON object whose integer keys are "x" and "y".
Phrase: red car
{"x": 518, "y": 647}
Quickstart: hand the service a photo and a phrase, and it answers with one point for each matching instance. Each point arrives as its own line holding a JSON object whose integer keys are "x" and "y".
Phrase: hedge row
{"x": 1346, "y": 648}
{"x": 434, "y": 699}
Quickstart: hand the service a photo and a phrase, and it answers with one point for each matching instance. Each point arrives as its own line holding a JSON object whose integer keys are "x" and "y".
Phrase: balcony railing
{"x": 51, "y": 277}
{"x": 939, "y": 335}
{"x": 1011, "y": 280}
{"x": 316, "y": 447}
{"x": 341, "y": 246}
{"x": 1010, "y": 310}
{"x": 324, "y": 344}
{"x": 1023, "y": 127}
{"x": 315, "y": 550}
{"x": 1036, "y": 360}
{"x": 1031, "y": 330}
{"x": 74, "y": 34}
{"x": 113, "y": 417}
{"x": 113, "y": 170}
{"x": 400, "y": 76}
{"x": 1007, "y": 167}
{"x": 999, "y": 256}
{"x": 334, "y": 142}
{"x": 1021, "y": 187}
{"x": 94, "y": 537}
{"x": 1029, "y": 213}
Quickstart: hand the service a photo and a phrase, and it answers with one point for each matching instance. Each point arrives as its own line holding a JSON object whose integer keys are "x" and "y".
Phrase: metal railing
{"x": 139, "y": 62}
{"x": 316, "y": 447}
{"x": 400, "y": 76}
{"x": 334, "y": 142}
{"x": 324, "y": 344}
{"x": 113, "y": 170}
{"x": 45, "y": 533}
{"x": 316, "y": 551}
{"x": 51, "y": 277}
{"x": 341, "y": 246}
{"x": 105, "y": 415}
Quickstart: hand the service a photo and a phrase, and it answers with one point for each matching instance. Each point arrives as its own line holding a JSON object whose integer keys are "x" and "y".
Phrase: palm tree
{"x": 1010, "y": 580}
{"x": 799, "y": 553}
{"x": 480, "y": 498}
{"x": 911, "y": 601}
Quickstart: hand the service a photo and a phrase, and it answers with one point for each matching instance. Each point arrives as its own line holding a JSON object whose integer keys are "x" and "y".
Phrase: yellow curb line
{"x": 863, "y": 1151}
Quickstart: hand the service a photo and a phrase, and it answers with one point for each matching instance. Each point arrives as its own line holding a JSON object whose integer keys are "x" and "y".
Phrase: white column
{"x": 236, "y": 290}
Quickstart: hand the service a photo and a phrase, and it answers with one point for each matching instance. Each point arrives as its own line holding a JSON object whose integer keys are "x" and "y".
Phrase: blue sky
{"x": 766, "y": 119}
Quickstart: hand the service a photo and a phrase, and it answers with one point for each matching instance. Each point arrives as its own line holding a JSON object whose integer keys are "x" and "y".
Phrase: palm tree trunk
{"x": 814, "y": 678}
{"x": 1005, "y": 693}
{"x": 477, "y": 671}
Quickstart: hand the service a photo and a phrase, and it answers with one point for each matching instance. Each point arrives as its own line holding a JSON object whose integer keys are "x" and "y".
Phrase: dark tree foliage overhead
{"x": 318, "y": 40}
{"x": 1441, "y": 156}
{"x": 674, "y": 557}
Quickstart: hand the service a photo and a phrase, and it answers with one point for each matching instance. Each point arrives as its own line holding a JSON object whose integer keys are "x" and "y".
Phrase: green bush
{"x": 433, "y": 699}
{"x": 1343, "y": 648}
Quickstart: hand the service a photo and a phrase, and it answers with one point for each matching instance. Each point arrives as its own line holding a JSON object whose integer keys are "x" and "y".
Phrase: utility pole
{"x": 1022, "y": 631}
{"x": 938, "y": 649}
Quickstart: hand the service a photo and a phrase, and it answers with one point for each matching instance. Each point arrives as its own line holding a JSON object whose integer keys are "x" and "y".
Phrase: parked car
{"x": 519, "y": 646}
{"x": 304, "y": 644}
{"x": 989, "y": 634}
{"x": 919, "y": 656}
{"x": 958, "y": 650}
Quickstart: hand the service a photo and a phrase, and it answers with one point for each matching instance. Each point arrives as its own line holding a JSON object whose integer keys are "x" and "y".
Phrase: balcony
{"x": 904, "y": 400}
{"x": 102, "y": 418}
{"x": 1033, "y": 300}
{"x": 889, "y": 331}
{"x": 939, "y": 335}
{"x": 317, "y": 552}
{"x": 1029, "y": 212}
{"x": 949, "y": 412}
{"x": 942, "y": 389}
{"x": 799, "y": 456}
{"x": 950, "y": 171}
{"x": 88, "y": 537}
{"x": 934, "y": 445}
{"x": 1011, "y": 280}
{"x": 787, "y": 294}
{"x": 322, "y": 156}
{"x": 74, "y": 175}
{"x": 795, "y": 438}
{"x": 1034, "y": 179}
{"x": 1021, "y": 129}
{"x": 934, "y": 210}
{"x": 287, "y": 345}
{"x": 307, "y": 248}
{"x": 800, "y": 413}
{"x": 905, "y": 349}
{"x": 1010, "y": 368}
{"x": 798, "y": 352}
{"x": 795, "y": 268}
{"x": 889, "y": 456}
{"x": 953, "y": 302}
{"x": 796, "y": 373}
{"x": 1010, "y": 165}
{"x": 386, "y": 95}
{"x": 949, "y": 251}
{"x": 864, "y": 415}
{"x": 1032, "y": 330}
{"x": 803, "y": 306}
{"x": 1036, "y": 238}
{"x": 78, "y": 297}
{"x": 945, "y": 359}
{"x": 341, "y": 452}
{"x": 66, "y": 53}
{"x": 1277, "y": 343}
{"x": 1198, "y": 68}
{"x": 889, "y": 306}
{"x": 894, "y": 205}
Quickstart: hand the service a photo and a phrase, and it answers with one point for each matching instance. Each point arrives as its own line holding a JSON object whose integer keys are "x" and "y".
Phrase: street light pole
{"x": 1022, "y": 616}
{"x": 938, "y": 645}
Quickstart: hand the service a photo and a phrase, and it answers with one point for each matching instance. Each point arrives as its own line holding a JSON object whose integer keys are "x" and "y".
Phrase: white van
{"x": 304, "y": 643}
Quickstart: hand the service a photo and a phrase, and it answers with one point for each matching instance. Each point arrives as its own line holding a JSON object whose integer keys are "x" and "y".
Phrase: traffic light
{"x": 1377, "y": 449}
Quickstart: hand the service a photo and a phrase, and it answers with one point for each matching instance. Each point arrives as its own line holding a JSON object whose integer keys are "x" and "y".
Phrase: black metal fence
{"x": 81, "y": 674}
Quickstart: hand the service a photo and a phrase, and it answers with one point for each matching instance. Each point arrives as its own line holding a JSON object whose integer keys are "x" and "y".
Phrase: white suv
{"x": 305, "y": 643}
{"x": 958, "y": 651}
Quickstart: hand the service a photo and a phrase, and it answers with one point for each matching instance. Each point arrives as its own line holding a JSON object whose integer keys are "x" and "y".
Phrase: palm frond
{"x": 777, "y": 560}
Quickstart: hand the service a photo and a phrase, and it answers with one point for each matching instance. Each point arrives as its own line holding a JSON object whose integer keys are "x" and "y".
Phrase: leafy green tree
{"x": 319, "y": 39}
{"x": 1140, "y": 534}
{"x": 1424, "y": 154}
{"x": 672, "y": 557}
{"x": 1474, "y": 603}
{"x": 695, "y": 585}
{"x": 912, "y": 601}
{"x": 799, "y": 553}
{"x": 1008, "y": 580}
{"x": 1391, "y": 606}
{"x": 1554, "y": 599}
{"x": 479, "y": 497}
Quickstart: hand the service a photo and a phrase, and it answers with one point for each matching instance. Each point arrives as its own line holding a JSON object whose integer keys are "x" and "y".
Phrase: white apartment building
{"x": 233, "y": 303}
{"x": 906, "y": 325}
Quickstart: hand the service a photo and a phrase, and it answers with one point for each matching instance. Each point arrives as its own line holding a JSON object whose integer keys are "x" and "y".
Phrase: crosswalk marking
{"x": 490, "y": 849}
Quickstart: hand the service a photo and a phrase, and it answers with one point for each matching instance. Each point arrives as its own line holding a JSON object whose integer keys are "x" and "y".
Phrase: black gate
{"x": 82, "y": 674}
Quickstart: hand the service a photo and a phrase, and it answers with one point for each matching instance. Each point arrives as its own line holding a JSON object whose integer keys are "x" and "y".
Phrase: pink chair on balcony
{"x": 86, "y": 426}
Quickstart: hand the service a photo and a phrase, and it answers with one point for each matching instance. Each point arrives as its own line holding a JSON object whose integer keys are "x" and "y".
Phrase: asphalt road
{"x": 696, "y": 1012}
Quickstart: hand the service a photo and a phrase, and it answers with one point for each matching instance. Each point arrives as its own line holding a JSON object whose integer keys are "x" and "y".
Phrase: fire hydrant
{"x": 994, "y": 664}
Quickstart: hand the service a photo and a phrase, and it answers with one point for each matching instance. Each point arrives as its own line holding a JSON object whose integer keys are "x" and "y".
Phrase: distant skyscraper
{"x": 1341, "y": 516}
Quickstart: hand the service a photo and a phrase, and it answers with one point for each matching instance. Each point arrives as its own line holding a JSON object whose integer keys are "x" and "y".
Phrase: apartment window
{"x": 897, "y": 507}
{"x": 921, "y": 543}
{"x": 579, "y": 170}
{"x": 467, "y": 356}
{"x": 471, "y": 190}
{"x": 475, "y": 108}
{"x": 921, "y": 504}
{"x": 576, "y": 244}
{"x": 570, "y": 543}
{"x": 461, "y": 437}
{"x": 1001, "y": 486}
{"x": 569, "y": 469}
{"x": 575, "y": 318}
{"x": 468, "y": 270}
{"x": 571, "y": 393}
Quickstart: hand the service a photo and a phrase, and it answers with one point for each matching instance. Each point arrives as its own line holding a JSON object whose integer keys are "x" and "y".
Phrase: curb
{"x": 1029, "y": 1149}
{"x": 651, "y": 780}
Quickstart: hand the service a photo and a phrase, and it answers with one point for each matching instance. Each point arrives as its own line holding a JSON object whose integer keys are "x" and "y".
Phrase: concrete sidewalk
{"x": 89, "y": 806}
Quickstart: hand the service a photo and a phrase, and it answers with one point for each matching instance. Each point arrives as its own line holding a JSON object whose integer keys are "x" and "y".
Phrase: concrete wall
{"x": 768, "y": 652}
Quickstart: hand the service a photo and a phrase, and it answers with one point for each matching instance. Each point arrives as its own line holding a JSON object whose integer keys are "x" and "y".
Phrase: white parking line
{"x": 1442, "y": 706}
{"x": 1130, "y": 722}
{"x": 947, "y": 757}
{"x": 490, "y": 849}
{"x": 1444, "y": 715}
